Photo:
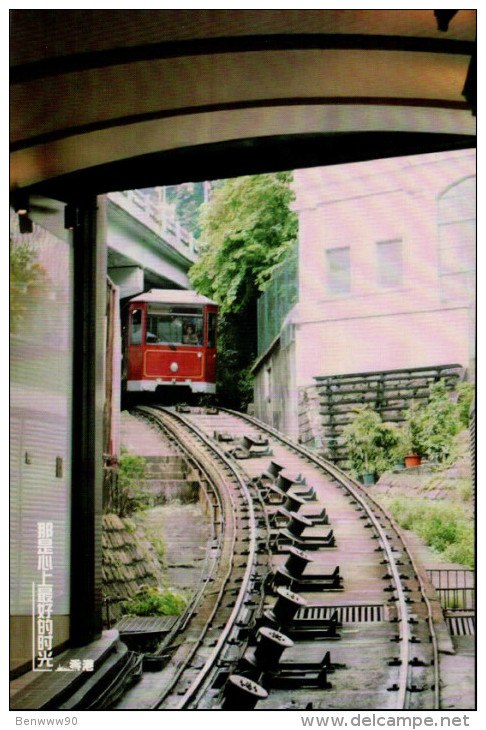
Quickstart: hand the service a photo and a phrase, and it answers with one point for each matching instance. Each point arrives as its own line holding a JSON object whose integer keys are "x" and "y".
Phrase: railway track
{"x": 310, "y": 599}
{"x": 232, "y": 590}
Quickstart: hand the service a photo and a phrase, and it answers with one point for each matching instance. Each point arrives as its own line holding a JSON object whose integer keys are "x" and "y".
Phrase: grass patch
{"x": 155, "y": 602}
{"x": 445, "y": 527}
{"x": 125, "y": 485}
{"x": 158, "y": 544}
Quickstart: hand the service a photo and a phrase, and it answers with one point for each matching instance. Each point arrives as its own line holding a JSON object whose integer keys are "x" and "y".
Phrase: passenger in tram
{"x": 190, "y": 337}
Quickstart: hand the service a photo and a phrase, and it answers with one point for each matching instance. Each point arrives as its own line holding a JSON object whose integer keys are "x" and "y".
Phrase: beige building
{"x": 386, "y": 276}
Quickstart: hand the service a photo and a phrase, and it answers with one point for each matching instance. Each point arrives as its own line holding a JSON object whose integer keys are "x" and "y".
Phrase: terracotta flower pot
{"x": 412, "y": 460}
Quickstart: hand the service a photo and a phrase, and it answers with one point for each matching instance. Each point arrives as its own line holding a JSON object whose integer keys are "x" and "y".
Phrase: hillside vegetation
{"x": 436, "y": 503}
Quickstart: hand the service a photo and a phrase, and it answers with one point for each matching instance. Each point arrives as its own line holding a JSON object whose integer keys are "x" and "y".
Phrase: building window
{"x": 457, "y": 242}
{"x": 390, "y": 268}
{"x": 338, "y": 270}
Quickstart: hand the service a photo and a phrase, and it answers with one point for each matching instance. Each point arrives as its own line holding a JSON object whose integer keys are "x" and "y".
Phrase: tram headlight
{"x": 174, "y": 367}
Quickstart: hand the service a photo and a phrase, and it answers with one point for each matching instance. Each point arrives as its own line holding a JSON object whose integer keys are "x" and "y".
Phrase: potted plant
{"x": 400, "y": 449}
{"x": 430, "y": 430}
{"x": 369, "y": 443}
{"x": 413, "y": 436}
{"x": 440, "y": 423}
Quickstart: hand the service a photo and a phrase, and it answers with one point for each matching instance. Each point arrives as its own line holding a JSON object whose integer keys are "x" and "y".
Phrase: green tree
{"x": 247, "y": 229}
{"x": 188, "y": 199}
{"x": 25, "y": 275}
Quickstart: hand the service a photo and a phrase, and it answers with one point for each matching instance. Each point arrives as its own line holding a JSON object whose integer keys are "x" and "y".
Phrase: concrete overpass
{"x": 146, "y": 246}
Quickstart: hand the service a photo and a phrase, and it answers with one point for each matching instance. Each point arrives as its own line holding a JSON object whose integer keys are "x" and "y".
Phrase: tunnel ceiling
{"x": 105, "y": 100}
{"x": 245, "y": 157}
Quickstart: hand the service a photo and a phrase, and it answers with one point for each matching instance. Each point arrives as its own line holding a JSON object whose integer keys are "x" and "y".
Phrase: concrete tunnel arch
{"x": 137, "y": 96}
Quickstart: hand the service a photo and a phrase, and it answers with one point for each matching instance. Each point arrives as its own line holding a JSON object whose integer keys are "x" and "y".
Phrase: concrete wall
{"x": 426, "y": 203}
{"x": 275, "y": 391}
{"x": 413, "y": 323}
{"x": 382, "y": 342}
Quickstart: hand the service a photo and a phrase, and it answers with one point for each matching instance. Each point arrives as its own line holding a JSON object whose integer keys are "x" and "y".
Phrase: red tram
{"x": 171, "y": 341}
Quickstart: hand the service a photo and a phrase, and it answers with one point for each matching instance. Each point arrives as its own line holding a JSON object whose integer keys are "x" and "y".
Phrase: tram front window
{"x": 136, "y": 327}
{"x": 175, "y": 326}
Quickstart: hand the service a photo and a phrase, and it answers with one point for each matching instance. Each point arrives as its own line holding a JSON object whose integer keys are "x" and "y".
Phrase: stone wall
{"x": 169, "y": 478}
{"x": 129, "y": 562}
{"x": 311, "y": 431}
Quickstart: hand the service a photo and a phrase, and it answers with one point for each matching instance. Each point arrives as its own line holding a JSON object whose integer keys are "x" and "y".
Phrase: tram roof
{"x": 173, "y": 296}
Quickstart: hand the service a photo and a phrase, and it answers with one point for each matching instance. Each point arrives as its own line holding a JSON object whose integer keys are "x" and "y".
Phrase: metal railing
{"x": 159, "y": 218}
{"x": 455, "y": 588}
{"x": 280, "y": 295}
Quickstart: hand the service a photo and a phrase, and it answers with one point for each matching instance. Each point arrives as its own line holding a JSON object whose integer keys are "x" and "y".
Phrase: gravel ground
{"x": 182, "y": 528}
{"x": 141, "y": 439}
{"x": 185, "y": 533}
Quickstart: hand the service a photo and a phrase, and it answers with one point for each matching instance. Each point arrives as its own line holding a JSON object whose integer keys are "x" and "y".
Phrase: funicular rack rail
{"x": 214, "y": 677}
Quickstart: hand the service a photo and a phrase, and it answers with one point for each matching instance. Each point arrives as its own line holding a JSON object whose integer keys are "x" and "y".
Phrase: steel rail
{"x": 159, "y": 416}
{"x": 197, "y": 685}
{"x": 434, "y": 641}
{"x": 207, "y": 570}
{"x": 356, "y": 489}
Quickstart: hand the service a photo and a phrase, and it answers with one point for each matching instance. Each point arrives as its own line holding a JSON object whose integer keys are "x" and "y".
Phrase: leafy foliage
{"x": 25, "y": 273}
{"x": 188, "y": 199}
{"x": 430, "y": 430}
{"x": 370, "y": 442}
{"x": 236, "y": 350}
{"x": 465, "y": 393}
{"x": 127, "y": 494}
{"x": 247, "y": 229}
{"x": 155, "y": 602}
{"x": 440, "y": 423}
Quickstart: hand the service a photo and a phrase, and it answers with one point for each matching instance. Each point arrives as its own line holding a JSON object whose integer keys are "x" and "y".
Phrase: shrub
{"x": 465, "y": 397}
{"x": 155, "y": 602}
{"x": 370, "y": 442}
{"x": 440, "y": 423}
{"x": 430, "y": 430}
{"x": 126, "y": 492}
